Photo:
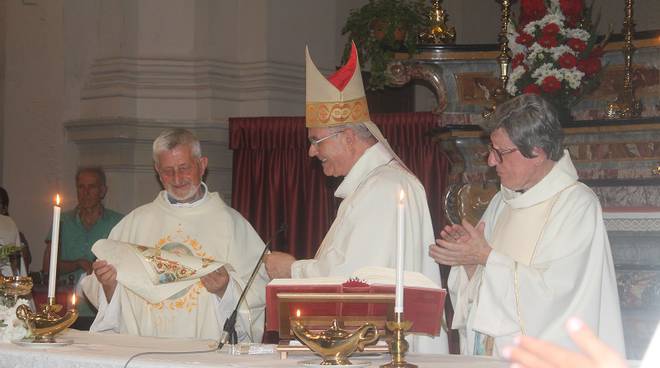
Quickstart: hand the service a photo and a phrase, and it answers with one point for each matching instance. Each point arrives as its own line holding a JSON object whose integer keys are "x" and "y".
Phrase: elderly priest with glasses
{"x": 540, "y": 253}
{"x": 364, "y": 233}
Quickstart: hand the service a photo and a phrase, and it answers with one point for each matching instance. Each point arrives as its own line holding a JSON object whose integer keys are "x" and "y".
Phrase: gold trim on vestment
{"x": 325, "y": 114}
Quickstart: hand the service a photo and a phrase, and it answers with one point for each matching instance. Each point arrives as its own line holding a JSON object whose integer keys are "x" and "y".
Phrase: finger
{"x": 552, "y": 354}
{"x": 525, "y": 358}
{"x": 585, "y": 339}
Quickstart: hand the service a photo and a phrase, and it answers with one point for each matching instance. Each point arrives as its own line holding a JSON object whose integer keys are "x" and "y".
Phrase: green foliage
{"x": 9, "y": 249}
{"x": 381, "y": 28}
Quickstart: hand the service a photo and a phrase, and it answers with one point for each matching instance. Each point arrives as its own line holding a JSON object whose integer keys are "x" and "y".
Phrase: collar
{"x": 562, "y": 175}
{"x": 374, "y": 157}
{"x": 173, "y": 203}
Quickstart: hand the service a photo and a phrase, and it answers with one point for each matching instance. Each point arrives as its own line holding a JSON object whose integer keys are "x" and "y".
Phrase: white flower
{"x": 558, "y": 51}
{"x": 573, "y": 77}
{"x": 578, "y": 33}
{"x": 545, "y": 70}
{"x": 15, "y": 328}
{"x": 514, "y": 76}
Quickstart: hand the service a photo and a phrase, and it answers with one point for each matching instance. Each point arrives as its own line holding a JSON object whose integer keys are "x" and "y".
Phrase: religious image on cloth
{"x": 155, "y": 274}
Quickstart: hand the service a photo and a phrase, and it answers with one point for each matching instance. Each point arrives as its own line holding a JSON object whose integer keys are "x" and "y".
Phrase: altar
{"x": 102, "y": 350}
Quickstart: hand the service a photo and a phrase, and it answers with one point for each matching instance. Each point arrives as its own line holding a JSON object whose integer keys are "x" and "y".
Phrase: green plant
{"x": 381, "y": 28}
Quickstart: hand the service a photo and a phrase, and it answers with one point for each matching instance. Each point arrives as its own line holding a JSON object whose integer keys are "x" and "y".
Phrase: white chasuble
{"x": 209, "y": 231}
{"x": 542, "y": 270}
{"x": 364, "y": 233}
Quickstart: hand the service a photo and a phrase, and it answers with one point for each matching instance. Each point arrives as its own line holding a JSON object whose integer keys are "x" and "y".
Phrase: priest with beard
{"x": 186, "y": 218}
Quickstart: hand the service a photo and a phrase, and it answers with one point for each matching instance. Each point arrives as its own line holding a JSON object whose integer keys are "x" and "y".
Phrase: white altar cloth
{"x": 100, "y": 350}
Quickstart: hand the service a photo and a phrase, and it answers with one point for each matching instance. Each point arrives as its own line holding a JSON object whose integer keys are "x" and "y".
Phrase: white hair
{"x": 172, "y": 138}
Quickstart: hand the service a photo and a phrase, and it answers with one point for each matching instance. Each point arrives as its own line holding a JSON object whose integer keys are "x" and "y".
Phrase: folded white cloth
{"x": 152, "y": 273}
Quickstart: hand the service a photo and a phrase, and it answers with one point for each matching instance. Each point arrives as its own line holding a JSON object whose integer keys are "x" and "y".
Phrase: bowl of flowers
{"x": 555, "y": 53}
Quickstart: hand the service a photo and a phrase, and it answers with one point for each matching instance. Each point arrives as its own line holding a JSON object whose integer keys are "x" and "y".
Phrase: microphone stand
{"x": 228, "y": 334}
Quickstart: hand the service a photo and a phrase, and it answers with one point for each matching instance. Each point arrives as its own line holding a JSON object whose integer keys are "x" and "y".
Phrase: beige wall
{"x": 93, "y": 81}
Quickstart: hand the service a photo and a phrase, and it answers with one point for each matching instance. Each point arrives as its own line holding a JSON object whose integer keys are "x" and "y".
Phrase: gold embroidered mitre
{"x": 337, "y": 100}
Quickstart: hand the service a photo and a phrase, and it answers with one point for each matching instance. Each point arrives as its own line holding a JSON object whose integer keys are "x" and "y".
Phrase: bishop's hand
{"x": 278, "y": 265}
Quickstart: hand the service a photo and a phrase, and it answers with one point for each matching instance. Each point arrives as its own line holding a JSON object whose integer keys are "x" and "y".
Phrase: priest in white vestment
{"x": 364, "y": 233}
{"x": 540, "y": 253}
{"x": 186, "y": 219}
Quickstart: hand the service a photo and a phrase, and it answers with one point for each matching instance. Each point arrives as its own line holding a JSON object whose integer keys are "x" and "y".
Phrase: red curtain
{"x": 275, "y": 182}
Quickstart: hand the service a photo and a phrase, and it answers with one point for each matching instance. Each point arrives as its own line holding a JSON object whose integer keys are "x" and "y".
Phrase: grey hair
{"x": 172, "y": 138}
{"x": 530, "y": 121}
{"x": 361, "y": 130}
{"x": 96, "y": 170}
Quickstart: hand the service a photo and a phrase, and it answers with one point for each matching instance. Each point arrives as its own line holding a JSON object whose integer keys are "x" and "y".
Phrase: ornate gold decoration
{"x": 46, "y": 324}
{"x": 398, "y": 344}
{"x": 15, "y": 285}
{"x": 440, "y": 32}
{"x": 626, "y": 106}
{"x": 324, "y": 114}
{"x": 503, "y": 59}
{"x": 335, "y": 345}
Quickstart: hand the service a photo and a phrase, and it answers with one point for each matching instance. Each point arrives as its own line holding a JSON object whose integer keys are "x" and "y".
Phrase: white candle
{"x": 398, "y": 299}
{"x": 54, "y": 242}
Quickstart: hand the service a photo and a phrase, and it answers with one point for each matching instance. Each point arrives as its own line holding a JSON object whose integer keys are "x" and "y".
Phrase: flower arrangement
{"x": 11, "y": 328}
{"x": 555, "y": 54}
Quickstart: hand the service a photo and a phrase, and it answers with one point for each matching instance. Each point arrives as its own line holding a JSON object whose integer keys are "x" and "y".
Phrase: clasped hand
{"x": 461, "y": 245}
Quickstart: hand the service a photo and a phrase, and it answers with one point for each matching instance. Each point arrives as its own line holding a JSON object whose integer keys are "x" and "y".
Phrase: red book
{"x": 423, "y": 301}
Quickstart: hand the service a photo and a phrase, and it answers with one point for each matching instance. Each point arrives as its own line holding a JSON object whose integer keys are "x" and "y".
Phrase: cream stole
{"x": 518, "y": 230}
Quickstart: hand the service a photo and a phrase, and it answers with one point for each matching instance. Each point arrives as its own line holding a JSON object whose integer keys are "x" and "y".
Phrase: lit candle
{"x": 73, "y": 301}
{"x": 398, "y": 300}
{"x": 298, "y": 313}
{"x": 54, "y": 242}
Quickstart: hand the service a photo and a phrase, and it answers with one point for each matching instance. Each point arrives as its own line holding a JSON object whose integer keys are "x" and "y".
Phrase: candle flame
{"x": 73, "y": 300}
{"x": 402, "y": 195}
{"x": 57, "y": 199}
{"x": 298, "y": 313}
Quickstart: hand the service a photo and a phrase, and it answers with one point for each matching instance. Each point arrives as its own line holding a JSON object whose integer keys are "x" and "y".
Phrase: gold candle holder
{"x": 43, "y": 326}
{"x": 397, "y": 344}
{"x": 626, "y": 105}
{"x": 503, "y": 59}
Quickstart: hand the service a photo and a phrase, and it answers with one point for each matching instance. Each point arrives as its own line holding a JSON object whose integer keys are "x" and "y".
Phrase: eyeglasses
{"x": 500, "y": 152}
{"x": 316, "y": 142}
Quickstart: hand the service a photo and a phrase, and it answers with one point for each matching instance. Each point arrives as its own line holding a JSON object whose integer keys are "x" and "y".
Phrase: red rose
{"x": 517, "y": 60}
{"x": 548, "y": 41}
{"x": 550, "y": 29}
{"x": 532, "y": 88}
{"x": 531, "y": 10}
{"x": 589, "y": 66}
{"x": 550, "y": 84}
{"x": 567, "y": 60}
{"x": 524, "y": 39}
{"x": 572, "y": 10}
{"x": 576, "y": 45}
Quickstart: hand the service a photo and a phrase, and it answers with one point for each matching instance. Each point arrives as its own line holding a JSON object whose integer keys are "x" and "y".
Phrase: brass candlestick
{"x": 503, "y": 60}
{"x": 625, "y": 105}
{"x": 46, "y": 324}
{"x": 398, "y": 344}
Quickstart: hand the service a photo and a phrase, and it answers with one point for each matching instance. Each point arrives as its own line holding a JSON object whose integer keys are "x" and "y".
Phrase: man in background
{"x": 80, "y": 228}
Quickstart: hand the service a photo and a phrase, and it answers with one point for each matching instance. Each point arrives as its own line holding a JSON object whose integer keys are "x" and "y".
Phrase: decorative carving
{"x": 402, "y": 72}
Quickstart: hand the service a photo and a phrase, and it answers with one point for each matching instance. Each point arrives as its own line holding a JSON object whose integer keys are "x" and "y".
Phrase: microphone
{"x": 228, "y": 334}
